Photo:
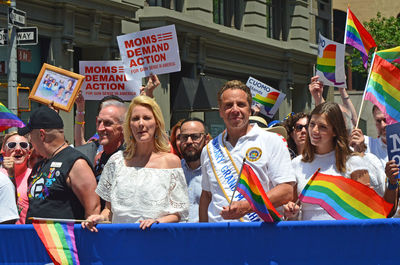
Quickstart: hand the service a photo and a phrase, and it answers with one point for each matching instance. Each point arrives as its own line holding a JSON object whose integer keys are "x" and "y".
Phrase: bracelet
{"x": 80, "y": 112}
{"x": 346, "y": 97}
{"x": 80, "y": 122}
{"x": 392, "y": 186}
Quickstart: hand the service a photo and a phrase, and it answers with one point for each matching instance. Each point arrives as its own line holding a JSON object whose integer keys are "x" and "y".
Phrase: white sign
{"x": 27, "y": 36}
{"x": 3, "y": 37}
{"x": 104, "y": 78}
{"x": 153, "y": 51}
{"x": 16, "y": 17}
{"x": 268, "y": 99}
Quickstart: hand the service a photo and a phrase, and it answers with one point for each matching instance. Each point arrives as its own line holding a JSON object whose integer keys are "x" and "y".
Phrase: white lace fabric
{"x": 138, "y": 193}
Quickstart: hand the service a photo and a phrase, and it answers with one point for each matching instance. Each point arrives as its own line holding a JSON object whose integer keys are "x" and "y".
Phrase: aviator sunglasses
{"x": 12, "y": 145}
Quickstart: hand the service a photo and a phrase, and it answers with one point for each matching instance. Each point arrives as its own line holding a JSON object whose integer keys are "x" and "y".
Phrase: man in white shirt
{"x": 222, "y": 159}
{"x": 193, "y": 138}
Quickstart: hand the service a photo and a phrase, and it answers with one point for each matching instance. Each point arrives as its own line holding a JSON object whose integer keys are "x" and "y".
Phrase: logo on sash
{"x": 253, "y": 154}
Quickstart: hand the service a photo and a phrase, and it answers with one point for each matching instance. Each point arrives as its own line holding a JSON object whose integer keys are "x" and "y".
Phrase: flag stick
{"x": 237, "y": 182}
{"x": 63, "y": 220}
{"x": 313, "y": 70}
{"x": 365, "y": 89}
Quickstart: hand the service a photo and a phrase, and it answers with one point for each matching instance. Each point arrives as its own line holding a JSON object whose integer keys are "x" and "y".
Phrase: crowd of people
{"x": 131, "y": 171}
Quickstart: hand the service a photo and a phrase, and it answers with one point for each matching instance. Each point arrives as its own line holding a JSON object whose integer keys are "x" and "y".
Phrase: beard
{"x": 191, "y": 156}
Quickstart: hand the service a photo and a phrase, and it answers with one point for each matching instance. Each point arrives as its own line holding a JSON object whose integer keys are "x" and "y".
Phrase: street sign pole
{"x": 12, "y": 67}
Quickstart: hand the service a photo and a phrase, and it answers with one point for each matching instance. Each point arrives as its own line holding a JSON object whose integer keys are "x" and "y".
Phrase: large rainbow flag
{"x": 8, "y": 119}
{"x": 358, "y": 37}
{"x": 344, "y": 198}
{"x": 330, "y": 62}
{"x": 391, "y": 55}
{"x": 383, "y": 88}
{"x": 59, "y": 241}
{"x": 250, "y": 187}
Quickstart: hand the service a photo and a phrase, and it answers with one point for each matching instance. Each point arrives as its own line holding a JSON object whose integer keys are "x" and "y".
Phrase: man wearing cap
{"x": 63, "y": 184}
{"x": 222, "y": 159}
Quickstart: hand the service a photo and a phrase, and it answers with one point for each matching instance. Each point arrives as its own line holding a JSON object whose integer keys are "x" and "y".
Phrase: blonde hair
{"x": 161, "y": 138}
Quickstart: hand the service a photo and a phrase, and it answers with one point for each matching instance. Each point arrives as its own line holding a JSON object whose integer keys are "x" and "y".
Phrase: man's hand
{"x": 291, "y": 210}
{"x": 8, "y": 163}
{"x": 237, "y": 210}
{"x": 357, "y": 141}
{"x": 80, "y": 102}
{"x": 316, "y": 88}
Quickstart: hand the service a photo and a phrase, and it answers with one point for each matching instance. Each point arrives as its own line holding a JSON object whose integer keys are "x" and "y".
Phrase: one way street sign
{"x": 3, "y": 37}
{"x": 27, "y": 36}
{"x": 16, "y": 17}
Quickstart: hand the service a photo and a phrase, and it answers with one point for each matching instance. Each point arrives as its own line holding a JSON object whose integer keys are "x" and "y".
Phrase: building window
{"x": 176, "y": 5}
{"x": 229, "y": 12}
{"x": 276, "y": 25}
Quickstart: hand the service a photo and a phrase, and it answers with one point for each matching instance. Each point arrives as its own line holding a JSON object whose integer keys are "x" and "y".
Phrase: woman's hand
{"x": 147, "y": 223}
{"x": 392, "y": 171}
{"x": 92, "y": 221}
{"x": 291, "y": 210}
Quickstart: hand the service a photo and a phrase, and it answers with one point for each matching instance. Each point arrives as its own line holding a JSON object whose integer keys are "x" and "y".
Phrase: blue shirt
{"x": 193, "y": 180}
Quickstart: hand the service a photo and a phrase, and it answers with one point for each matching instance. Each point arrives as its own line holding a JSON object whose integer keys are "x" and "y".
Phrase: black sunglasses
{"x": 23, "y": 145}
{"x": 299, "y": 127}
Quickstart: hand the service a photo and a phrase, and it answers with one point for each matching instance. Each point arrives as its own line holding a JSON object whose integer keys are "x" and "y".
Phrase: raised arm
{"x": 79, "y": 128}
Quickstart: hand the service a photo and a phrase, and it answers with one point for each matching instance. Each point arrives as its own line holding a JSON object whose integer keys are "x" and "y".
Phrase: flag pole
{"x": 237, "y": 182}
{"x": 365, "y": 89}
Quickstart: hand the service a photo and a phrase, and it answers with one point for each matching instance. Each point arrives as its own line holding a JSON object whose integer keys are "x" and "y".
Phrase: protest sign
{"x": 268, "y": 99}
{"x": 393, "y": 142}
{"x": 153, "y": 51}
{"x": 105, "y": 78}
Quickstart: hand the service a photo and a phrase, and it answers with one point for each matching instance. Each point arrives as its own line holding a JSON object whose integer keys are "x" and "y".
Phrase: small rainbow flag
{"x": 250, "y": 187}
{"x": 330, "y": 62}
{"x": 383, "y": 88}
{"x": 358, "y": 37}
{"x": 8, "y": 119}
{"x": 59, "y": 241}
{"x": 269, "y": 101}
{"x": 391, "y": 55}
{"x": 344, "y": 198}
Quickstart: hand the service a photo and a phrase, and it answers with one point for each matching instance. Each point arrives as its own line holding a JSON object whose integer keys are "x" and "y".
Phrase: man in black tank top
{"x": 63, "y": 184}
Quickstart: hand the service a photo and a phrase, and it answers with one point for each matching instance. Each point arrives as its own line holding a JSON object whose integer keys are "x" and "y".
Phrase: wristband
{"x": 80, "y": 112}
{"x": 346, "y": 97}
{"x": 80, "y": 122}
{"x": 392, "y": 186}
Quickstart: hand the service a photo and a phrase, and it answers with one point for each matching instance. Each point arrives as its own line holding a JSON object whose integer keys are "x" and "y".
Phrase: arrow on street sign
{"x": 3, "y": 37}
{"x": 16, "y": 17}
{"x": 27, "y": 36}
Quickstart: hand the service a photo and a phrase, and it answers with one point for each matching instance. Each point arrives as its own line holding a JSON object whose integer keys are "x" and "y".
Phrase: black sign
{"x": 27, "y": 36}
{"x": 16, "y": 17}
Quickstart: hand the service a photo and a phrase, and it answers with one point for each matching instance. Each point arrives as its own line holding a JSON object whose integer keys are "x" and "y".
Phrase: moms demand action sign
{"x": 153, "y": 51}
{"x": 104, "y": 78}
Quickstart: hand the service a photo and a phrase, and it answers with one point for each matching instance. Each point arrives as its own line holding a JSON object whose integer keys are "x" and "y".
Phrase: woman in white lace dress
{"x": 145, "y": 183}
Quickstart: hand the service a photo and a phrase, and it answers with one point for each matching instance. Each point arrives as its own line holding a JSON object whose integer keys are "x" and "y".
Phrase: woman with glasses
{"x": 327, "y": 148}
{"x": 16, "y": 151}
{"x": 145, "y": 183}
{"x": 296, "y": 127}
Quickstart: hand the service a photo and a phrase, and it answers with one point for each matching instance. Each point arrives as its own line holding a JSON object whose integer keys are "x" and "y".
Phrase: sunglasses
{"x": 12, "y": 145}
{"x": 196, "y": 137}
{"x": 299, "y": 127}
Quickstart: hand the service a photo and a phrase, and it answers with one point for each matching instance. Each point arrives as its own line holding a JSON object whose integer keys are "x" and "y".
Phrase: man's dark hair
{"x": 107, "y": 98}
{"x": 196, "y": 119}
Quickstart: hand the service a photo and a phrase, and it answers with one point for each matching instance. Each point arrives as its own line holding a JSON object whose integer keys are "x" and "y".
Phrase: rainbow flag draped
{"x": 391, "y": 55}
{"x": 59, "y": 241}
{"x": 344, "y": 198}
{"x": 383, "y": 88}
{"x": 330, "y": 62}
{"x": 358, "y": 37}
{"x": 250, "y": 187}
{"x": 8, "y": 119}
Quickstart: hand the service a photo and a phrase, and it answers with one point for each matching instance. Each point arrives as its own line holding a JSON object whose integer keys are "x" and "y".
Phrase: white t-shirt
{"x": 138, "y": 193}
{"x": 273, "y": 167}
{"x": 8, "y": 204}
{"x": 378, "y": 148}
{"x": 305, "y": 170}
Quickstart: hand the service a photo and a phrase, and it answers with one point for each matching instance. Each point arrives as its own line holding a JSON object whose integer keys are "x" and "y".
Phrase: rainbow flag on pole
{"x": 330, "y": 62}
{"x": 8, "y": 119}
{"x": 59, "y": 241}
{"x": 358, "y": 37}
{"x": 250, "y": 187}
{"x": 391, "y": 55}
{"x": 344, "y": 198}
{"x": 383, "y": 88}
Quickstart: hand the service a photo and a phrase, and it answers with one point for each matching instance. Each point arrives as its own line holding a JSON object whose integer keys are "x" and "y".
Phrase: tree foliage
{"x": 386, "y": 33}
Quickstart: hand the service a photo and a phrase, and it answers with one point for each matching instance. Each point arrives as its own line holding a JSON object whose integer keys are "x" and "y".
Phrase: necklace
{"x": 58, "y": 148}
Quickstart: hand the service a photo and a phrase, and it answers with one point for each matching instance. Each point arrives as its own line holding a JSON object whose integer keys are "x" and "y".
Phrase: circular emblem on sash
{"x": 253, "y": 154}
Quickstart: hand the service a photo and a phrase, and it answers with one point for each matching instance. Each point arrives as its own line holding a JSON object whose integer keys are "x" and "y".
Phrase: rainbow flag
{"x": 358, "y": 37}
{"x": 391, "y": 55}
{"x": 8, "y": 119}
{"x": 344, "y": 198}
{"x": 59, "y": 241}
{"x": 250, "y": 187}
{"x": 330, "y": 62}
{"x": 383, "y": 88}
{"x": 269, "y": 101}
